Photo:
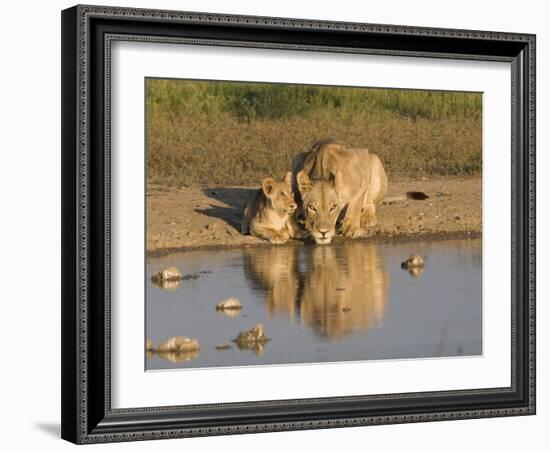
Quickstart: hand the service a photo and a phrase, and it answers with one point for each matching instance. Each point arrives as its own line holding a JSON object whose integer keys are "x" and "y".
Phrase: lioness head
{"x": 321, "y": 205}
{"x": 279, "y": 194}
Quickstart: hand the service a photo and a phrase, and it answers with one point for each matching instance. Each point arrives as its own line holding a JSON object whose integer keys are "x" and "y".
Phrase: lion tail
{"x": 412, "y": 195}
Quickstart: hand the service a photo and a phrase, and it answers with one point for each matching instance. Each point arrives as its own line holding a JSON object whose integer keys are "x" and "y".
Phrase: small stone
{"x": 168, "y": 274}
{"x": 179, "y": 344}
{"x": 229, "y": 303}
{"x": 253, "y": 339}
{"x": 414, "y": 260}
{"x": 223, "y": 347}
{"x": 256, "y": 334}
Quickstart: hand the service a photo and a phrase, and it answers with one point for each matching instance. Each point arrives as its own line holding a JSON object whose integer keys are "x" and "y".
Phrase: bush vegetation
{"x": 231, "y": 133}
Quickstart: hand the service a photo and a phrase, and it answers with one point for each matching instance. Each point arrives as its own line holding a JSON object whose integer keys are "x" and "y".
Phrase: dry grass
{"x": 212, "y": 133}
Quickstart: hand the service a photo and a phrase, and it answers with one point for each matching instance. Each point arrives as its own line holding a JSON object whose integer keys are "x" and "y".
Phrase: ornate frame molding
{"x": 80, "y": 423}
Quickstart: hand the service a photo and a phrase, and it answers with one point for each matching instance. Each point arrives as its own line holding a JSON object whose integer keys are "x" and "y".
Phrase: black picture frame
{"x": 87, "y": 415}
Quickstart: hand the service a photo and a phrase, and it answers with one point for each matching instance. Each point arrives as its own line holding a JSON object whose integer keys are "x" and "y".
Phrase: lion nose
{"x": 323, "y": 232}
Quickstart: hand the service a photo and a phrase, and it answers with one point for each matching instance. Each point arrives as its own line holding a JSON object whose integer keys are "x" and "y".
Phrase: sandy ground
{"x": 190, "y": 217}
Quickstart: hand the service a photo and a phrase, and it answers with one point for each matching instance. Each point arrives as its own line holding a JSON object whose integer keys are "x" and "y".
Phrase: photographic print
{"x": 294, "y": 224}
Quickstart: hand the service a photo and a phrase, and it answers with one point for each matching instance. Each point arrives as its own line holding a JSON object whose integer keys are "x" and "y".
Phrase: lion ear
{"x": 268, "y": 185}
{"x": 304, "y": 182}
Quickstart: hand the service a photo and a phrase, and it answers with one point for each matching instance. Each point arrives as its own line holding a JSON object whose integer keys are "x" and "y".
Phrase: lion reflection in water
{"x": 335, "y": 290}
{"x": 274, "y": 270}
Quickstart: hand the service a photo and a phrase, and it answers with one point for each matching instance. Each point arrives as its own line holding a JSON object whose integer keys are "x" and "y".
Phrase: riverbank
{"x": 192, "y": 217}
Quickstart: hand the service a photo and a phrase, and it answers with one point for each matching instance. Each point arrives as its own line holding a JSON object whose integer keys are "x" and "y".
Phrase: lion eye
{"x": 282, "y": 194}
{"x": 312, "y": 208}
{"x": 333, "y": 208}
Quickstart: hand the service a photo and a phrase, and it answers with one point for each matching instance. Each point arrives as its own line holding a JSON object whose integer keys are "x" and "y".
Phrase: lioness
{"x": 345, "y": 289}
{"x": 333, "y": 177}
{"x": 269, "y": 211}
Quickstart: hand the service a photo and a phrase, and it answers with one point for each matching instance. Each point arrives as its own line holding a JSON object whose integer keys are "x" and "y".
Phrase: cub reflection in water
{"x": 333, "y": 289}
{"x": 275, "y": 271}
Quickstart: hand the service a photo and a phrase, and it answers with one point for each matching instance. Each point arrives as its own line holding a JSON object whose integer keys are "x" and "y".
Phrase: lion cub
{"x": 269, "y": 212}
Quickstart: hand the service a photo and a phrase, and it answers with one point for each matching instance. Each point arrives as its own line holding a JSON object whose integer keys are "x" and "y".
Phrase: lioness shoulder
{"x": 269, "y": 212}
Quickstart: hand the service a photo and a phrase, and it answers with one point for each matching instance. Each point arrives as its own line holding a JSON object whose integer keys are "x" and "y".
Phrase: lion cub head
{"x": 321, "y": 205}
{"x": 279, "y": 194}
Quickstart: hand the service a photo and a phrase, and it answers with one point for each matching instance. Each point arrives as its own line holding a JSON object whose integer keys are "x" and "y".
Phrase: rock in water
{"x": 168, "y": 274}
{"x": 223, "y": 347}
{"x": 256, "y": 334}
{"x": 178, "y": 344}
{"x": 150, "y": 345}
{"x": 230, "y": 303}
{"x": 415, "y": 260}
{"x": 253, "y": 339}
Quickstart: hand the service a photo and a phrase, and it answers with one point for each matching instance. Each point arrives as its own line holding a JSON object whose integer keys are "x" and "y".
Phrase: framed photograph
{"x": 279, "y": 224}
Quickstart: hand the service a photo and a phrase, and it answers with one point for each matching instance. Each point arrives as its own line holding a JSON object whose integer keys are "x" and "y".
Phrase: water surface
{"x": 320, "y": 303}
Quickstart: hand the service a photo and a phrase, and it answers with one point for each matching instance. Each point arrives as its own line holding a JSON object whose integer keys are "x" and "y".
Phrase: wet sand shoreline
{"x": 338, "y": 240}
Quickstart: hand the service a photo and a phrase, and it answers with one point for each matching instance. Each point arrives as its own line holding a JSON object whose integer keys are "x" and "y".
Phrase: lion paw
{"x": 368, "y": 222}
{"x": 352, "y": 232}
{"x": 278, "y": 239}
